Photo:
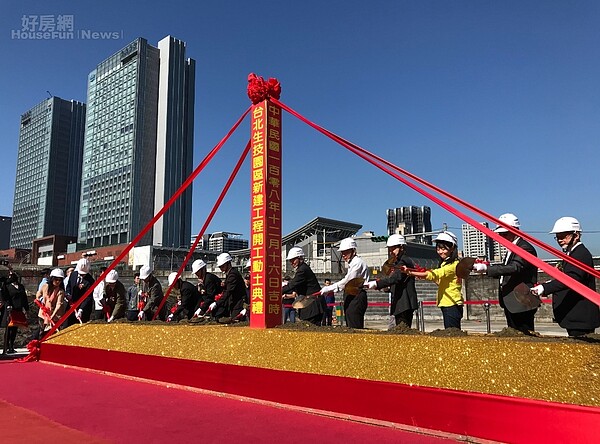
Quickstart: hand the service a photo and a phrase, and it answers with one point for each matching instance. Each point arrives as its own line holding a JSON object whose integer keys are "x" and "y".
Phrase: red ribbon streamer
{"x": 550, "y": 270}
{"x": 149, "y": 225}
{"x": 216, "y": 206}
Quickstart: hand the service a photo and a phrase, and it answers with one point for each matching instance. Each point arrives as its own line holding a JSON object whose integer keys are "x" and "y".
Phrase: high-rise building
{"x": 410, "y": 220}
{"x": 138, "y": 145}
{"x": 477, "y": 244}
{"x": 48, "y": 177}
{"x": 222, "y": 241}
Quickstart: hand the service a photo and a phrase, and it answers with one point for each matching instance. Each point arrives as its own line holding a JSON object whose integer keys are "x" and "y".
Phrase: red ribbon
{"x": 150, "y": 224}
{"x": 216, "y": 206}
{"x": 34, "y": 348}
{"x": 383, "y": 164}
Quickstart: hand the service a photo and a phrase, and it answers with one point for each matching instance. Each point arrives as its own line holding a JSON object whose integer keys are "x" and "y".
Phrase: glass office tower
{"x": 126, "y": 158}
{"x": 48, "y": 176}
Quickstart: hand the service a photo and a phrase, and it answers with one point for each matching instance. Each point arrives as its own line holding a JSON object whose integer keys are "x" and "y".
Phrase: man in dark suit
{"x": 209, "y": 286}
{"x": 79, "y": 282}
{"x": 190, "y": 297}
{"x": 305, "y": 283}
{"x": 573, "y": 312}
{"x": 404, "y": 294}
{"x": 513, "y": 271}
{"x": 231, "y": 304}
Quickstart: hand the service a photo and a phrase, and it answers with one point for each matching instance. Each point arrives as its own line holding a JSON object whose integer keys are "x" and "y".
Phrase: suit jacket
{"x": 190, "y": 298}
{"x": 155, "y": 296}
{"x": 74, "y": 293}
{"x": 571, "y": 310}
{"x": 232, "y": 301}
{"x": 305, "y": 283}
{"x": 515, "y": 271}
{"x": 404, "y": 293}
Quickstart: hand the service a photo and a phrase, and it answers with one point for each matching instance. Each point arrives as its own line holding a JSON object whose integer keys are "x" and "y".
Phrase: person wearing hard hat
{"x": 231, "y": 305}
{"x": 513, "y": 271}
{"x": 115, "y": 296}
{"x": 80, "y": 281}
{"x": 190, "y": 298}
{"x": 305, "y": 284}
{"x": 355, "y": 306}
{"x": 449, "y": 295}
{"x": 404, "y": 293}
{"x": 573, "y": 312}
{"x": 53, "y": 298}
{"x": 53, "y": 294}
{"x": 99, "y": 311}
{"x": 153, "y": 289}
{"x": 209, "y": 286}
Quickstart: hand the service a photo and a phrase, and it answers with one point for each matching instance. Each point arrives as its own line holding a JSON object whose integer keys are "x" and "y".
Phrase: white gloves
{"x": 140, "y": 315}
{"x": 112, "y": 318}
{"x": 170, "y": 317}
{"x": 328, "y": 288}
{"x": 371, "y": 285}
{"x": 479, "y": 267}
{"x": 197, "y": 312}
{"x": 538, "y": 290}
{"x": 243, "y": 312}
{"x": 78, "y": 314}
{"x": 211, "y": 307}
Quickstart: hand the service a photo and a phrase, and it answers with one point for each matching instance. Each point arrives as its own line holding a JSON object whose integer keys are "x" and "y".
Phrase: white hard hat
{"x": 347, "y": 244}
{"x": 395, "y": 239}
{"x": 112, "y": 277}
{"x": 145, "y": 271}
{"x": 566, "y": 224}
{"x": 447, "y": 236}
{"x": 223, "y": 258}
{"x": 57, "y": 273}
{"x": 172, "y": 277}
{"x": 198, "y": 264}
{"x": 509, "y": 219}
{"x": 294, "y": 253}
{"x": 83, "y": 266}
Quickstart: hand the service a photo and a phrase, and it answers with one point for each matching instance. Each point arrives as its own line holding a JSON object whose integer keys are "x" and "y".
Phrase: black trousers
{"x": 520, "y": 321}
{"x": 355, "y": 308}
{"x": 405, "y": 317}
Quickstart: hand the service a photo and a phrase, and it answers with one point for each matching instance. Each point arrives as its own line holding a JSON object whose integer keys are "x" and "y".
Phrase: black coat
{"x": 75, "y": 291}
{"x": 190, "y": 298}
{"x": 517, "y": 270}
{"x": 15, "y": 297}
{"x": 571, "y": 310}
{"x": 232, "y": 301}
{"x": 305, "y": 283}
{"x": 404, "y": 293}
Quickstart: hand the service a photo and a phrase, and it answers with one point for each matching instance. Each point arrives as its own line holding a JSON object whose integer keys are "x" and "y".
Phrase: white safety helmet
{"x": 112, "y": 277}
{"x": 171, "y": 278}
{"x": 347, "y": 244}
{"x": 447, "y": 236}
{"x": 57, "y": 273}
{"x": 223, "y": 258}
{"x": 395, "y": 239}
{"x": 294, "y": 253}
{"x": 145, "y": 271}
{"x": 566, "y": 224}
{"x": 509, "y": 219}
{"x": 197, "y": 265}
{"x": 83, "y": 266}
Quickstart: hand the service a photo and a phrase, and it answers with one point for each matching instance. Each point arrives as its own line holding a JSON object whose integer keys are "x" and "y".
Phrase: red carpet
{"x": 81, "y": 406}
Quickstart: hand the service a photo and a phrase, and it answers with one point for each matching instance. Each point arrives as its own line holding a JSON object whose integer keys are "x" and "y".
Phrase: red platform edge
{"x": 478, "y": 415}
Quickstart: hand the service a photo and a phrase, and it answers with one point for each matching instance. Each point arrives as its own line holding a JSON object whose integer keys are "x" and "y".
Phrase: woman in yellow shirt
{"x": 449, "y": 295}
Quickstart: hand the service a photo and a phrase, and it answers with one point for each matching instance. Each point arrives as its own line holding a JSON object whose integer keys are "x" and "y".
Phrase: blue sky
{"x": 496, "y": 102}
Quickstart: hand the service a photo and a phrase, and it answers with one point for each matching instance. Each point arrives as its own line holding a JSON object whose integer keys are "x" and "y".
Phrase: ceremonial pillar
{"x": 265, "y": 218}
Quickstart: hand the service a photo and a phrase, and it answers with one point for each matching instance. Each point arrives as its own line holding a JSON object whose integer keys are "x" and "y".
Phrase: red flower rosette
{"x": 259, "y": 89}
{"x": 34, "y": 352}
